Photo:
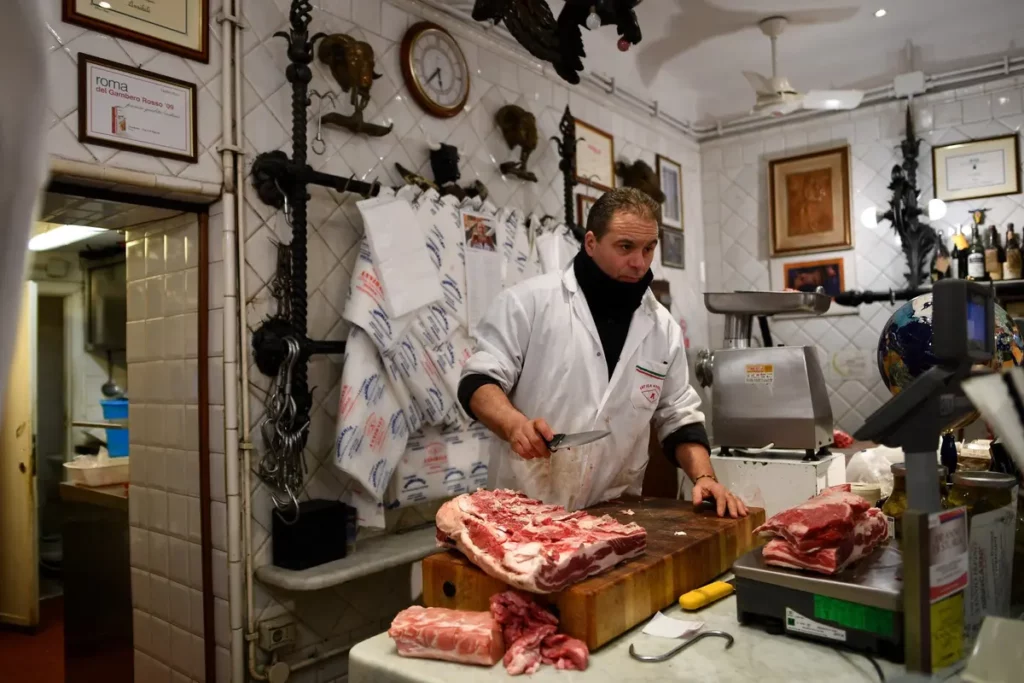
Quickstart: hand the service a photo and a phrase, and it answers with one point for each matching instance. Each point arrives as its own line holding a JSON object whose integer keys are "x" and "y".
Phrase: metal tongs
{"x": 679, "y": 648}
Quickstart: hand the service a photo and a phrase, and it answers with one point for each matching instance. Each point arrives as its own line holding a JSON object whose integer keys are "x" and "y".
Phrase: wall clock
{"x": 435, "y": 70}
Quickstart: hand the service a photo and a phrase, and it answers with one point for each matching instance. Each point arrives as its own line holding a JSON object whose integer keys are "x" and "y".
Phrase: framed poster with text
{"x": 181, "y": 27}
{"x": 140, "y": 111}
{"x": 595, "y": 157}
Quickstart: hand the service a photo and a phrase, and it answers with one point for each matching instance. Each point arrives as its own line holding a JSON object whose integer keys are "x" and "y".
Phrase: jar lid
{"x": 989, "y": 480}
{"x": 900, "y": 468}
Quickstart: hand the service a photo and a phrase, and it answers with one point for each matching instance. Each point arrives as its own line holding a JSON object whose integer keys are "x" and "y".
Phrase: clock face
{"x": 435, "y": 70}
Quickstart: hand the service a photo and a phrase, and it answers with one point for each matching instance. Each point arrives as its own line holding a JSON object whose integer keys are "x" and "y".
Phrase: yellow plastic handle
{"x": 702, "y": 597}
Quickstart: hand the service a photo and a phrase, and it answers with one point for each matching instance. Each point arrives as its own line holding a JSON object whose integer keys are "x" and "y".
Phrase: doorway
{"x": 69, "y": 591}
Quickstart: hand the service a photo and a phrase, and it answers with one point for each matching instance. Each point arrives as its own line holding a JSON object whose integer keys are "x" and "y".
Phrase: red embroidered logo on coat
{"x": 651, "y": 392}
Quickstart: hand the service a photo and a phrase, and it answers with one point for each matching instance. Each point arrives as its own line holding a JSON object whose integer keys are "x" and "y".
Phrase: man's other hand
{"x": 528, "y": 438}
{"x": 707, "y": 488}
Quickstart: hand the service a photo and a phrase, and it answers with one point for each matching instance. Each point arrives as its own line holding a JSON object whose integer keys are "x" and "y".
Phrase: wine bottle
{"x": 963, "y": 246}
{"x": 976, "y": 257}
{"x": 992, "y": 265}
{"x": 954, "y": 261}
{"x": 1012, "y": 266}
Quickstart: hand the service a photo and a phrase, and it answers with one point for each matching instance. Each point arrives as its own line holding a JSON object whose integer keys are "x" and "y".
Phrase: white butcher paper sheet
{"x": 365, "y": 306}
{"x": 371, "y": 430}
{"x": 400, "y": 255}
{"x": 483, "y": 263}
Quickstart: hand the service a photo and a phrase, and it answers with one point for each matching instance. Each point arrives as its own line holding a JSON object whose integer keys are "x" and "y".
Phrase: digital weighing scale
{"x": 861, "y": 608}
{"x": 882, "y": 603}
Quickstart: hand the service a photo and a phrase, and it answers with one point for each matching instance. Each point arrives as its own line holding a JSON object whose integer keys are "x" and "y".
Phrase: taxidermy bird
{"x": 519, "y": 128}
{"x": 560, "y": 41}
{"x": 642, "y": 177}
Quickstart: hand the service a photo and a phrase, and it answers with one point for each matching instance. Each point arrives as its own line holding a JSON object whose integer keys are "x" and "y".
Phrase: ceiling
{"x": 693, "y": 51}
{"x": 116, "y": 217}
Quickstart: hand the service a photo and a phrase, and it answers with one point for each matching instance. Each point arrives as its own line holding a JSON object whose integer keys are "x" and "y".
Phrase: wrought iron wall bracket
{"x": 274, "y": 175}
{"x": 566, "y": 145}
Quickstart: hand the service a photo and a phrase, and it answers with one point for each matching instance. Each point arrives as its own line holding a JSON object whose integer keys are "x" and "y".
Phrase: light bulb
{"x": 869, "y": 218}
{"x": 593, "y": 21}
{"x": 936, "y": 209}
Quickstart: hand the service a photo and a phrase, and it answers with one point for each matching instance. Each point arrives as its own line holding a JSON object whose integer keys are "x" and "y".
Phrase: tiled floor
{"x": 40, "y": 655}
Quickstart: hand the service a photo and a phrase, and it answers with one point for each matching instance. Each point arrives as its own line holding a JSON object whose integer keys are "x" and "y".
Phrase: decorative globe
{"x": 905, "y": 345}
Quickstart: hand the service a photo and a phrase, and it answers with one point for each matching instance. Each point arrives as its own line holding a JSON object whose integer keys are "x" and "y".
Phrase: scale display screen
{"x": 978, "y": 335}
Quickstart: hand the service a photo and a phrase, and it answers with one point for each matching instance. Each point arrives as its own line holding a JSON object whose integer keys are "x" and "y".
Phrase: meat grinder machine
{"x": 765, "y": 395}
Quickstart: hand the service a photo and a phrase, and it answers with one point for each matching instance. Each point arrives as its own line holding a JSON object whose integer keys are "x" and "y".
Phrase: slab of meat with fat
{"x": 533, "y": 546}
{"x": 822, "y": 521}
{"x": 529, "y": 631}
{"x": 448, "y": 634}
{"x": 869, "y": 530}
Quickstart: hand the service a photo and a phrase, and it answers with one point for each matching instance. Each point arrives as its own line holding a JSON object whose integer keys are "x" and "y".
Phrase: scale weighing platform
{"x": 861, "y": 608}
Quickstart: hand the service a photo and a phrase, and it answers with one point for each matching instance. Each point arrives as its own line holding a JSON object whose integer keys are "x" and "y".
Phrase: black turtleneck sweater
{"x": 612, "y": 304}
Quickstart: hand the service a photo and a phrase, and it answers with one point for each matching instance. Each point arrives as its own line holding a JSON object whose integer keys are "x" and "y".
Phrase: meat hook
{"x": 319, "y": 146}
{"x": 673, "y": 652}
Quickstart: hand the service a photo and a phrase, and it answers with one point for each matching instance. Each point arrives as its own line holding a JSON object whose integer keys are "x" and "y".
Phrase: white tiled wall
{"x": 66, "y": 41}
{"x": 353, "y": 611}
{"x": 734, "y": 189}
{"x": 163, "y": 501}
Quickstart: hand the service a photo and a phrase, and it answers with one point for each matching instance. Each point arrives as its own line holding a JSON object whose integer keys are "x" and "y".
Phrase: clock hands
{"x": 437, "y": 72}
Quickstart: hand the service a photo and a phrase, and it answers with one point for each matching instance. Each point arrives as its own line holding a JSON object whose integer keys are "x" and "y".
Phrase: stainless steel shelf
{"x": 371, "y": 556}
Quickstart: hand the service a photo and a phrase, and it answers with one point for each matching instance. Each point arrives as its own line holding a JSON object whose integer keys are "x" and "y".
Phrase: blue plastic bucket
{"x": 117, "y": 439}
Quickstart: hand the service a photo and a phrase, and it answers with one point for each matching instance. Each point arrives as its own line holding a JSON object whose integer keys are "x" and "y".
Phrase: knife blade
{"x": 563, "y": 441}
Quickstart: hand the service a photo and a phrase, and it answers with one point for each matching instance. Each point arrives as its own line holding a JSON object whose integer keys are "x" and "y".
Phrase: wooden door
{"x": 19, "y": 551}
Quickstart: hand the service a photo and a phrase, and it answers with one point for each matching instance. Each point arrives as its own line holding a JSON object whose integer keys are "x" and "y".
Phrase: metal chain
{"x": 282, "y": 467}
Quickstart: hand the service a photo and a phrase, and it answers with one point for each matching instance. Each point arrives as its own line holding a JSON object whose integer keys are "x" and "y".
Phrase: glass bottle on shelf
{"x": 963, "y": 247}
{"x": 993, "y": 266}
{"x": 1012, "y": 265}
{"x": 976, "y": 257}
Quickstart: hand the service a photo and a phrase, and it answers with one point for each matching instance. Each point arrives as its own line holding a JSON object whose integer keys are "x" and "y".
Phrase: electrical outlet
{"x": 276, "y": 633}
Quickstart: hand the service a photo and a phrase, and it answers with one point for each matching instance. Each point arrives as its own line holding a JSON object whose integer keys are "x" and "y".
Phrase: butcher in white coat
{"x": 590, "y": 348}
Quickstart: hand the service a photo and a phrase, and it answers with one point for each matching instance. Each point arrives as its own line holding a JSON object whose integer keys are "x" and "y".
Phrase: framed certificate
{"x": 975, "y": 169}
{"x": 673, "y": 248}
{"x": 595, "y": 157}
{"x": 181, "y": 27}
{"x": 139, "y": 111}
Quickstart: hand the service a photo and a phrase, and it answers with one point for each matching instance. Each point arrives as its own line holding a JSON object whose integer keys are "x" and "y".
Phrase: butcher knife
{"x": 563, "y": 441}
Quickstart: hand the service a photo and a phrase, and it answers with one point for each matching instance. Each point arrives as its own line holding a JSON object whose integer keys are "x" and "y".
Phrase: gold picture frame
{"x": 180, "y": 27}
{"x": 595, "y": 157}
{"x": 989, "y": 167}
{"x": 809, "y": 199}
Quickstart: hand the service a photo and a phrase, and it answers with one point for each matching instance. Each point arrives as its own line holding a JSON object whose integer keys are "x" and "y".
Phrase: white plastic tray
{"x": 100, "y": 472}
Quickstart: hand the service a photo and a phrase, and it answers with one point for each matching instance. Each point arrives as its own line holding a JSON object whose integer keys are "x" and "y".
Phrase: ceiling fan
{"x": 777, "y": 97}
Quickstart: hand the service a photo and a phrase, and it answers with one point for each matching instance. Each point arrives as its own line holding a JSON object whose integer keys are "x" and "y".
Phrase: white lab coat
{"x": 540, "y": 342}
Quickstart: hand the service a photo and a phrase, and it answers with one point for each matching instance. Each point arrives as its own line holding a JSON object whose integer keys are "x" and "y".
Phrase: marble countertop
{"x": 756, "y": 655}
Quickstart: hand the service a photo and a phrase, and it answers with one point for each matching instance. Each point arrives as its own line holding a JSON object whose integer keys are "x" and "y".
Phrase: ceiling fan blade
{"x": 759, "y": 83}
{"x": 833, "y": 99}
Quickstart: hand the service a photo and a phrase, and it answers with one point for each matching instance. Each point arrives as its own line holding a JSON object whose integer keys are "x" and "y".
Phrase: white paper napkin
{"x": 667, "y": 627}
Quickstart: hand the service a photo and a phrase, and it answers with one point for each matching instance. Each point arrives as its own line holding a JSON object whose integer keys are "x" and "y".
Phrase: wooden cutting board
{"x": 609, "y": 604}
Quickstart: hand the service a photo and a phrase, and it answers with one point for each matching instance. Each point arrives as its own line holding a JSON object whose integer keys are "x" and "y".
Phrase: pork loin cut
{"x": 529, "y": 631}
{"x": 869, "y": 530}
{"x": 824, "y": 520}
{"x": 448, "y": 634}
{"x": 532, "y": 546}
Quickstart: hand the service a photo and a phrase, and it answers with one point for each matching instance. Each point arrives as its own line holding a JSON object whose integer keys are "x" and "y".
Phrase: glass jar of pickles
{"x": 981, "y": 491}
{"x": 896, "y": 504}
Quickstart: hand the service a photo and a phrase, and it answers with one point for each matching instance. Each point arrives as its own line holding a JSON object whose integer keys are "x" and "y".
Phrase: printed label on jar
{"x": 891, "y": 523}
{"x": 975, "y": 265}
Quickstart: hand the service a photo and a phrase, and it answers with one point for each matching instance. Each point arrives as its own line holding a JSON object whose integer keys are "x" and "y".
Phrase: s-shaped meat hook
{"x": 685, "y": 644}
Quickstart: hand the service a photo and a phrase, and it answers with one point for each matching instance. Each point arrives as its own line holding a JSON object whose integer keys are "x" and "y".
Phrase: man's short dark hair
{"x": 621, "y": 199}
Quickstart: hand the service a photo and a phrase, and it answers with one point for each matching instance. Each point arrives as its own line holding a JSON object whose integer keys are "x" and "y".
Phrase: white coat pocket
{"x": 648, "y": 379}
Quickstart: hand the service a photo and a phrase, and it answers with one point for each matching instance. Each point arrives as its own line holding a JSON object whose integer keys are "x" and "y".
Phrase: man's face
{"x": 627, "y": 248}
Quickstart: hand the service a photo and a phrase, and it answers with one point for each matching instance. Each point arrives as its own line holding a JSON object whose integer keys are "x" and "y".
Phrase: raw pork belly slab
{"x": 826, "y": 519}
{"x": 448, "y": 634}
{"x": 869, "y": 530}
{"x": 529, "y": 630}
{"x": 532, "y": 546}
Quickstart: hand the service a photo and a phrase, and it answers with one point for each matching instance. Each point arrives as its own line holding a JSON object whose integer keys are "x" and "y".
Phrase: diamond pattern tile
{"x": 735, "y": 211}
